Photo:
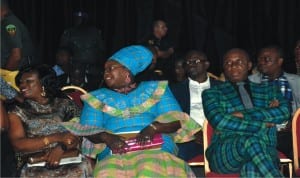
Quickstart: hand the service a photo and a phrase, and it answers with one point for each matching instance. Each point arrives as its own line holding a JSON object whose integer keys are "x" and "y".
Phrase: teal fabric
{"x": 91, "y": 116}
{"x": 244, "y": 146}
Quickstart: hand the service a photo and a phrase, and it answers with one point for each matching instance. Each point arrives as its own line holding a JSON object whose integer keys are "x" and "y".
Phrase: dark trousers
{"x": 189, "y": 150}
{"x": 285, "y": 143}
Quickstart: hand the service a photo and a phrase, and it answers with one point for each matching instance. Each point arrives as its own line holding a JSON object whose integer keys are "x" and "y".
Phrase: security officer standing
{"x": 16, "y": 45}
{"x": 88, "y": 47}
{"x": 158, "y": 39}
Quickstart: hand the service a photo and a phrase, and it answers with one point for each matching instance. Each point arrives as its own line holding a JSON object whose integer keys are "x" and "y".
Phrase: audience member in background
{"x": 147, "y": 108}
{"x": 87, "y": 45}
{"x": 188, "y": 94}
{"x": 244, "y": 139}
{"x": 297, "y": 56}
{"x": 35, "y": 124}
{"x": 150, "y": 73}
{"x": 179, "y": 73}
{"x": 16, "y": 45}
{"x": 270, "y": 60}
{"x": 63, "y": 64}
{"x": 77, "y": 77}
{"x": 63, "y": 60}
{"x": 158, "y": 39}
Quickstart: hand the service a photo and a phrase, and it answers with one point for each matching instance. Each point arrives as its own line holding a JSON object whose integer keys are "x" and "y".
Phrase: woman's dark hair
{"x": 47, "y": 77}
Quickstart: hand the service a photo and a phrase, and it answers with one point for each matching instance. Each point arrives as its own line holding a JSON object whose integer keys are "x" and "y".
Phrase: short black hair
{"x": 194, "y": 51}
{"x": 46, "y": 75}
{"x": 155, "y": 22}
{"x": 277, "y": 48}
{"x": 238, "y": 50}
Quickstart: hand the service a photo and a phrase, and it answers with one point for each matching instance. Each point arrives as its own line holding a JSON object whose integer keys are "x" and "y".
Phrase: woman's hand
{"x": 70, "y": 140}
{"x": 274, "y": 103}
{"x": 146, "y": 134}
{"x": 115, "y": 142}
{"x": 54, "y": 157}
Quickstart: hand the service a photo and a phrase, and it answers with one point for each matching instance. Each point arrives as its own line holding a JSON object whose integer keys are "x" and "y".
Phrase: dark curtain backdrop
{"x": 213, "y": 26}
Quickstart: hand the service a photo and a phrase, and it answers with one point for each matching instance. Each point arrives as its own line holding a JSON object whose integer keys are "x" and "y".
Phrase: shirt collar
{"x": 196, "y": 83}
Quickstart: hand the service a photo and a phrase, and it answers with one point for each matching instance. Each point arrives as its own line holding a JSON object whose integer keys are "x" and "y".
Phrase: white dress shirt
{"x": 196, "y": 109}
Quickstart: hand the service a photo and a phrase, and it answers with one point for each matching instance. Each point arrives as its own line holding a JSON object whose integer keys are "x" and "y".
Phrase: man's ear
{"x": 207, "y": 64}
{"x": 127, "y": 75}
{"x": 249, "y": 65}
{"x": 280, "y": 61}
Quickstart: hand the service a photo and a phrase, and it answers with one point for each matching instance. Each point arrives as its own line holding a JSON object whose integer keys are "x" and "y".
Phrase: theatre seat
{"x": 74, "y": 93}
{"x": 296, "y": 141}
{"x": 207, "y": 135}
{"x": 197, "y": 161}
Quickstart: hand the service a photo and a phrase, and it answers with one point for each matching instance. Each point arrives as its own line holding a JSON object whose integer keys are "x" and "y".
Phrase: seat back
{"x": 296, "y": 138}
{"x": 207, "y": 136}
{"x": 74, "y": 93}
{"x": 213, "y": 76}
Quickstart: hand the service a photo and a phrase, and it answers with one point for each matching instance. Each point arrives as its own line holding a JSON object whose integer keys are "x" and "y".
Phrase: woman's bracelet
{"x": 46, "y": 141}
{"x": 153, "y": 126}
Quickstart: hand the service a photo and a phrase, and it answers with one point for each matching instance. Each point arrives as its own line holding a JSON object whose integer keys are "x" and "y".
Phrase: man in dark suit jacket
{"x": 188, "y": 94}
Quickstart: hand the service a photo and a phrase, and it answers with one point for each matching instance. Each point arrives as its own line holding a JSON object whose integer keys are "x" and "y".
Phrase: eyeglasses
{"x": 266, "y": 59}
{"x": 230, "y": 63}
{"x": 195, "y": 61}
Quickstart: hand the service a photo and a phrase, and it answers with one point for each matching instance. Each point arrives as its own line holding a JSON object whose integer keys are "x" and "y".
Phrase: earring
{"x": 43, "y": 93}
{"x": 127, "y": 80}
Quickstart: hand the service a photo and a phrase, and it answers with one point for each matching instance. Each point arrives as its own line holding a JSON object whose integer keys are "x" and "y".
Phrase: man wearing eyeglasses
{"x": 188, "y": 94}
{"x": 269, "y": 64}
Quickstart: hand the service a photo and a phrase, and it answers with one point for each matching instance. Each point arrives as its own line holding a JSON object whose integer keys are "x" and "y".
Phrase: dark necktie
{"x": 244, "y": 95}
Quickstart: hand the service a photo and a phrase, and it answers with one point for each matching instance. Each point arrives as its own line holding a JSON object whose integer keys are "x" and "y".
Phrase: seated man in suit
{"x": 244, "y": 121}
{"x": 188, "y": 95}
{"x": 269, "y": 63}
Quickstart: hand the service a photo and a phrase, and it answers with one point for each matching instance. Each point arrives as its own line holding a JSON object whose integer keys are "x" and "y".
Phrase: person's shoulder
{"x": 179, "y": 86}
{"x": 293, "y": 79}
{"x": 11, "y": 18}
{"x": 62, "y": 101}
{"x": 260, "y": 86}
{"x": 256, "y": 78}
{"x": 11, "y": 21}
{"x": 99, "y": 91}
{"x": 154, "y": 83}
{"x": 290, "y": 75}
{"x": 214, "y": 81}
{"x": 221, "y": 86}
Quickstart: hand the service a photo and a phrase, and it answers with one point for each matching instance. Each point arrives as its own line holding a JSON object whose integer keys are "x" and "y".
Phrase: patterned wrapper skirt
{"x": 146, "y": 163}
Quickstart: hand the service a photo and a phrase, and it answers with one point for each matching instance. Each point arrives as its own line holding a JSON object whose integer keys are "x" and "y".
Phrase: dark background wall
{"x": 210, "y": 25}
